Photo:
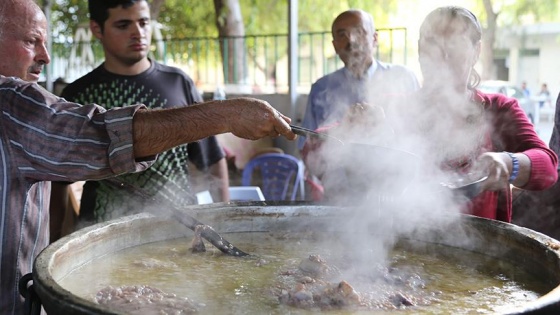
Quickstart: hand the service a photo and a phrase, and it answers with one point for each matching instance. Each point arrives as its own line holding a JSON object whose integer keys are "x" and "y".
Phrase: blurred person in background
{"x": 362, "y": 80}
{"x": 525, "y": 89}
{"x": 463, "y": 132}
{"x": 129, "y": 76}
{"x": 45, "y": 138}
{"x": 544, "y": 96}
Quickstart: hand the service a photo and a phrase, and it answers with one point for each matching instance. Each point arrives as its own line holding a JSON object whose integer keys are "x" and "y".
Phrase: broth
{"x": 447, "y": 279}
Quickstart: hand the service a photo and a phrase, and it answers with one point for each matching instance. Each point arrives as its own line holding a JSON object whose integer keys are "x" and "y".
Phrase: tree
{"x": 231, "y": 31}
{"x": 511, "y": 13}
{"x": 155, "y": 8}
{"x": 67, "y": 15}
{"x": 488, "y": 39}
{"x": 189, "y": 19}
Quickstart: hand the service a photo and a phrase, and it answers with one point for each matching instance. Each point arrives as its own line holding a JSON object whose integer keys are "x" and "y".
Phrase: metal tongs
{"x": 310, "y": 133}
{"x": 206, "y": 231}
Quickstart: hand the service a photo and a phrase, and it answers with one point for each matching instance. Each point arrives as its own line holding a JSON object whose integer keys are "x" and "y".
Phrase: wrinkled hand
{"x": 254, "y": 119}
{"x": 494, "y": 164}
{"x": 363, "y": 115}
{"x": 364, "y": 122}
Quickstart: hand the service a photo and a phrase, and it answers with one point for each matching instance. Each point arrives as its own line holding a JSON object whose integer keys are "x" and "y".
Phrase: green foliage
{"x": 67, "y": 15}
{"x": 196, "y": 18}
{"x": 191, "y": 18}
{"x": 529, "y": 11}
{"x": 271, "y": 16}
{"x": 521, "y": 11}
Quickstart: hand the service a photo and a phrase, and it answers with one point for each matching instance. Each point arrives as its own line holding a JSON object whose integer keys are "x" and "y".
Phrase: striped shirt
{"x": 44, "y": 138}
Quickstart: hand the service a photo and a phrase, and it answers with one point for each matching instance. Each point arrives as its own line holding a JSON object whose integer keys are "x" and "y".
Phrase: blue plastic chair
{"x": 278, "y": 173}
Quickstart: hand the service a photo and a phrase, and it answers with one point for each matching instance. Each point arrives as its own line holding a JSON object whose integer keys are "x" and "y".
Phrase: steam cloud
{"x": 390, "y": 171}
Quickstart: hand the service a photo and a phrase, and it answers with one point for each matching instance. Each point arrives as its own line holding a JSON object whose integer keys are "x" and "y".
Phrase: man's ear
{"x": 95, "y": 29}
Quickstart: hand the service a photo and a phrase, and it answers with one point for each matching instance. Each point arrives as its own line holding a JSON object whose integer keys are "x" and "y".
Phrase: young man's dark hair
{"x": 99, "y": 9}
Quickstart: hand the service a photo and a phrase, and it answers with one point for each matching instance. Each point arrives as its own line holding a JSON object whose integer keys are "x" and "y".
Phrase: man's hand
{"x": 363, "y": 115}
{"x": 364, "y": 123}
{"x": 254, "y": 119}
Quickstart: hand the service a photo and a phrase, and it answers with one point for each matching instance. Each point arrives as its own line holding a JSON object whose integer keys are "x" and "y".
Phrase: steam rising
{"x": 399, "y": 146}
{"x": 403, "y": 145}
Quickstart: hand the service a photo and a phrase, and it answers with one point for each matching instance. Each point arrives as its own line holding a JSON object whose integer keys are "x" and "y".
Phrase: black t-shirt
{"x": 160, "y": 86}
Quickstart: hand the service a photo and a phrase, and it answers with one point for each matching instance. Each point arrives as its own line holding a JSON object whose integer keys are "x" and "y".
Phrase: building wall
{"x": 549, "y": 63}
{"x": 524, "y": 64}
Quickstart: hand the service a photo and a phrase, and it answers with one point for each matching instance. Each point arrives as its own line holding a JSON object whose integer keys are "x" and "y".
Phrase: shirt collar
{"x": 369, "y": 73}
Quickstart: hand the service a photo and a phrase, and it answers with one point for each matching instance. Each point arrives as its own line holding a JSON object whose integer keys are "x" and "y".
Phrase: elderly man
{"x": 362, "y": 80}
{"x": 45, "y": 138}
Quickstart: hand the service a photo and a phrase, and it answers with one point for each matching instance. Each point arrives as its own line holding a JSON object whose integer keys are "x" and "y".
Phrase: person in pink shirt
{"x": 458, "y": 132}
{"x": 462, "y": 131}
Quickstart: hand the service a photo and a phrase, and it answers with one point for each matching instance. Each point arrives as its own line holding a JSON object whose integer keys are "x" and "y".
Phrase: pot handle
{"x": 32, "y": 304}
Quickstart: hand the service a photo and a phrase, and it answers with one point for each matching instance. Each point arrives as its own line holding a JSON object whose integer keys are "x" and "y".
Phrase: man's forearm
{"x": 156, "y": 131}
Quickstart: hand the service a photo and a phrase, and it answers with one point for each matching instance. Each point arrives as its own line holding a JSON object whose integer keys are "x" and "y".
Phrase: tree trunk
{"x": 157, "y": 37}
{"x": 232, "y": 43}
{"x": 488, "y": 38}
{"x": 155, "y": 7}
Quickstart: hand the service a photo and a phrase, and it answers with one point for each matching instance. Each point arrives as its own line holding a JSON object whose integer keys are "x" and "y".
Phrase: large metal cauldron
{"x": 525, "y": 248}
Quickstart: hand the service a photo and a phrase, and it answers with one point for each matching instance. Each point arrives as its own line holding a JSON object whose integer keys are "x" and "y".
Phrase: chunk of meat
{"x": 314, "y": 266}
{"x": 323, "y": 295}
{"x": 146, "y": 300}
{"x": 197, "y": 244}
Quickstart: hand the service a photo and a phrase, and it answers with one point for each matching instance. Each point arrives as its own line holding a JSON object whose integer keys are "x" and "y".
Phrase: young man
{"x": 124, "y": 29}
{"x": 44, "y": 138}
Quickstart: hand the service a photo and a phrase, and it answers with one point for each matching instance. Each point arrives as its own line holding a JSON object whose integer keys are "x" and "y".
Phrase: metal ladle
{"x": 373, "y": 148}
{"x": 368, "y": 161}
{"x": 469, "y": 190}
{"x": 206, "y": 232}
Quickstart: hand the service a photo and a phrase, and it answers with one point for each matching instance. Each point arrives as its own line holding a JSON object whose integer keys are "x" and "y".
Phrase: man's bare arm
{"x": 156, "y": 131}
